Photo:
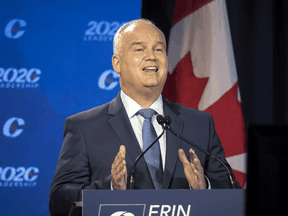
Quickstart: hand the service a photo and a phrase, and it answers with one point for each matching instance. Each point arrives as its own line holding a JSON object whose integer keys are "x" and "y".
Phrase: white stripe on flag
{"x": 206, "y": 34}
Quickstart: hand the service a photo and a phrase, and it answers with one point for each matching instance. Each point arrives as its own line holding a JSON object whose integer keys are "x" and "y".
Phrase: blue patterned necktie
{"x": 153, "y": 155}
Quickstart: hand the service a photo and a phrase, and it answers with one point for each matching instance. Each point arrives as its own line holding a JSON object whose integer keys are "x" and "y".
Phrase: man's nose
{"x": 150, "y": 55}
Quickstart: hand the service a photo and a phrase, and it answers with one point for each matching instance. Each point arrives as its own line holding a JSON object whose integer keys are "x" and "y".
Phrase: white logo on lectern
{"x": 121, "y": 209}
{"x": 122, "y": 213}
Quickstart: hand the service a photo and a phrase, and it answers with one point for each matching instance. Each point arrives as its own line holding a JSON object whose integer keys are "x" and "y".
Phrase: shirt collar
{"x": 132, "y": 107}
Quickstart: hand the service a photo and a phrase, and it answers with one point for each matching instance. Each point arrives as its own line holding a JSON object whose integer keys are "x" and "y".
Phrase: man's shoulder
{"x": 185, "y": 111}
{"x": 101, "y": 112}
{"x": 95, "y": 113}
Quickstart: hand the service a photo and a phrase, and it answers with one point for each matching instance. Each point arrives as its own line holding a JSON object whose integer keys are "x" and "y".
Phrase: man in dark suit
{"x": 100, "y": 145}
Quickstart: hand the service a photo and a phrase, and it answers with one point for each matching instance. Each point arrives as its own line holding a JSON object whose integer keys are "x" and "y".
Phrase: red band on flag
{"x": 240, "y": 177}
{"x": 184, "y": 8}
{"x": 229, "y": 122}
{"x": 182, "y": 85}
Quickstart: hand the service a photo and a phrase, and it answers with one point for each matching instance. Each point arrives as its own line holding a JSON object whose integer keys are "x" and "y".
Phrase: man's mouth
{"x": 150, "y": 69}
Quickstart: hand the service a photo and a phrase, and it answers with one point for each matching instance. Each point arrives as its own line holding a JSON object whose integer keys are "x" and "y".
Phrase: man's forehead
{"x": 141, "y": 33}
{"x": 142, "y": 27}
{"x": 140, "y": 24}
{"x": 134, "y": 43}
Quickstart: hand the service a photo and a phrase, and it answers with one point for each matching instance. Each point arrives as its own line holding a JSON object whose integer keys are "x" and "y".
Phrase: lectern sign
{"x": 163, "y": 202}
{"x": 139, "y": 210}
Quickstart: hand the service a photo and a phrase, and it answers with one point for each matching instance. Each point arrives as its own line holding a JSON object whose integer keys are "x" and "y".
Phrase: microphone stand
{"x": 131, "y": 176}
{"x": 167, "y": 122}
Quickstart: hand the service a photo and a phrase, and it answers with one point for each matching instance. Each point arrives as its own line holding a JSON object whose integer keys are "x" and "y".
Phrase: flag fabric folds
{"x": 202, "y": 73}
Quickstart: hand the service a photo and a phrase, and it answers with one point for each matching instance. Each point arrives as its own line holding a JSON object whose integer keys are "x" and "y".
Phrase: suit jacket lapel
{"x": 122, "y": 127}
{"x": 172, "y": 142}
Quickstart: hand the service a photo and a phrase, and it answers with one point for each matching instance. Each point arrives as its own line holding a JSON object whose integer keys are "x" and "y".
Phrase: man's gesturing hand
{"x": 193, "y": 169}
{"x": 119, "y": 170}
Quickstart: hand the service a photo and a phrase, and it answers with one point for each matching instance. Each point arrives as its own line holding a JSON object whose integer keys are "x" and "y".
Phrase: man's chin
{"x": 152, "y": 89}
{"x": 151, "y": 84}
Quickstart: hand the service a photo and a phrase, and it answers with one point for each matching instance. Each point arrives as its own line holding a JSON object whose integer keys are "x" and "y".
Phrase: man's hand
{"x": 193, "y": 169}
{"x": 119, "y": 170}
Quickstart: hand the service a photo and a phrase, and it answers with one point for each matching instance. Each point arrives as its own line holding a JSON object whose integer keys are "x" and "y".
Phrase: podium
{"x": 163, "y": 202}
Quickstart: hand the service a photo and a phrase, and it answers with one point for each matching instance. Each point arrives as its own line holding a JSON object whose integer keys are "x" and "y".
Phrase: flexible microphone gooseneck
{"x": 165, "y": 123}
{"x": 131, "y": 177}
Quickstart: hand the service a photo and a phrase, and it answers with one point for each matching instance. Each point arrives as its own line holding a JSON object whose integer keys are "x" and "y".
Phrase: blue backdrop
{"x": 55, "y": 61}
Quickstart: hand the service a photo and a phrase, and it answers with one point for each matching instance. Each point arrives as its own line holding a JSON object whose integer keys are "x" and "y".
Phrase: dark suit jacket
{"x": 92, "y": 139}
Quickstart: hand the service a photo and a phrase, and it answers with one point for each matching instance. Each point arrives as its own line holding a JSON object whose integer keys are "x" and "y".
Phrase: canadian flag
{"x": 202, "y": 73}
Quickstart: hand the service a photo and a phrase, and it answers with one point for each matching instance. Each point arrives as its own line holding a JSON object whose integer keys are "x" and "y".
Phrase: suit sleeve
{"x": 215, "y": 171}
{"x": 73, "y": 172}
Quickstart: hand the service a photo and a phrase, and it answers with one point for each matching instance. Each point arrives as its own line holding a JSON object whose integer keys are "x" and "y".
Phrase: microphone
{"x": 165, "y": 123}
{"x": 131, "y": 176}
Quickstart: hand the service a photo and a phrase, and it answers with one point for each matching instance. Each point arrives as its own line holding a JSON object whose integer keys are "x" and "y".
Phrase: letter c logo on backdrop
{"x": 9, "y": 126}
{"x": 11, "y": 28}
{"x": 108, "y": 76}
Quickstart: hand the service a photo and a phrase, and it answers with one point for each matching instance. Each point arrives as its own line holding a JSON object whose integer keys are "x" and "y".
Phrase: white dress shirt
{"x": 137, "y": 120}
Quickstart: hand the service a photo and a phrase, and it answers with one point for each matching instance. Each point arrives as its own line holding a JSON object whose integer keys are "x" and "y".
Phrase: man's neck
{"x": 144, "y": 100}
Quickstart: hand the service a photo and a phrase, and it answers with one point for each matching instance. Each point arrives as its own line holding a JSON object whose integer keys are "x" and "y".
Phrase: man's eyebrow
{"x": 136, "y": 43}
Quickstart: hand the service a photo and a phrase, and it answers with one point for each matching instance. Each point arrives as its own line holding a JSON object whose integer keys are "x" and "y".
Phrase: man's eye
{"x": 160, "y": 50}
{"x": 139, "y": 50}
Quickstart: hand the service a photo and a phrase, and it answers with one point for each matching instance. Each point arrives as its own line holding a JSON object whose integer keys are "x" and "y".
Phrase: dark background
{"x": 259, "y": 31}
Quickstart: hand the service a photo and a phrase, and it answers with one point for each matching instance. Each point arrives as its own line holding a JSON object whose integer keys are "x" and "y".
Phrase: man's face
{"x": 142, "y": 60}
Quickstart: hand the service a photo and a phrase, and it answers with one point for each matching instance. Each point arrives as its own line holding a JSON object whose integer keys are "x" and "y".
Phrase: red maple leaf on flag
{"x": 202, "y": 73}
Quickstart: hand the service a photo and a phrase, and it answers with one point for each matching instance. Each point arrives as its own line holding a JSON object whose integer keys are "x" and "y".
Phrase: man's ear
{"x": 116, "y": 63}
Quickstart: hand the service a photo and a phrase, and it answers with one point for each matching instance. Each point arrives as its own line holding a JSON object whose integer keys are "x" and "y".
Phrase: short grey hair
{"x": 118, "y": 35}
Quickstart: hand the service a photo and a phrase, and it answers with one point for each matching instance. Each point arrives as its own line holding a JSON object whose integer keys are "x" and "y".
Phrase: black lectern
{"x": 224, "y": 202}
